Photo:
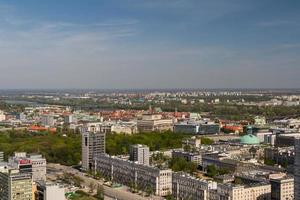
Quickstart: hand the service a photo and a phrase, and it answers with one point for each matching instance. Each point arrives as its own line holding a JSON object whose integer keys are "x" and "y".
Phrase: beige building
{"x": 154, "y": 122}
{"x": 15, "y": 186}
{"x": 282, "y": 188}
{"x": 135, "y": 175}
{"x": 257, "y": 191}
{"x": 185, "y": 186}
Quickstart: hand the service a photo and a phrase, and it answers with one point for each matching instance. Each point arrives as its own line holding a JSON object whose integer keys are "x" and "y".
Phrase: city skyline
{"x": 149, "y": 44}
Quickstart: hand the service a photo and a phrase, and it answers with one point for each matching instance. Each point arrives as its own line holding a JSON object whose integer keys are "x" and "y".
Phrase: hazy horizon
{"x": 140, "y": 44}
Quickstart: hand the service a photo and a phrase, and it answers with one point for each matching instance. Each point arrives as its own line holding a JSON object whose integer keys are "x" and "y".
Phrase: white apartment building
{"x": 185, "y": 186}
{"x": 49, "y": 191}
{"x": 130, "y": 173}
{"x": 139, "y": 153}
{"x": 92, "y": 144}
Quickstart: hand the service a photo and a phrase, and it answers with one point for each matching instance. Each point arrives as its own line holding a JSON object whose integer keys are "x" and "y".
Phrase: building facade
{"x": 15, "y": 186}
{"x": 34, "y": 164}
{"x": 49, "y": 191}
{"x": 154, "y": 122}
{"x": 132, "y": 174}
{"x": 93, "y": 144}
{"x": 297, "y": 169}
{"x": 259, "y": 191}
{"x": 139, "y": 153}
{"x": 282, "y": 188}
{"x": 185, "y": 186}
{"x": 188, "y": 156}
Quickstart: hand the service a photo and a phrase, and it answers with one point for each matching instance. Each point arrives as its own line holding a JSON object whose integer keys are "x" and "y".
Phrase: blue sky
{"x": 149, "y": 44}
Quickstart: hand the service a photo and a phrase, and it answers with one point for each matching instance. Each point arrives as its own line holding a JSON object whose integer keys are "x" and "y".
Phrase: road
{"x": 110, "y": 193}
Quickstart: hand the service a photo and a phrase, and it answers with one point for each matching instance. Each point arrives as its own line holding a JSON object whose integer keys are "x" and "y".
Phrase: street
{"x": 110, "y": 193}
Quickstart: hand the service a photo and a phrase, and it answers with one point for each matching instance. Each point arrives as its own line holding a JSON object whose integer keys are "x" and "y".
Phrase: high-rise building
{"x": 282, "y": 188}
{"x": 15, "y": 186}
{"x": 139, "y": 153}
{"x": 47, "y": 120}
{"x": 93, "y": 144}
{"x": 297, "y": 170}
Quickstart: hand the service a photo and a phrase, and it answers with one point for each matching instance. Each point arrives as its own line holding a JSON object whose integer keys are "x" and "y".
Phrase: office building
{"x": 133, "y": 174}
{"x": 33, "y": 164}
{"x": 139, "y": 153}
{"x": 185, "y": 186}
{"x": 92, "y": 144}
{"x": 197, "y": 127}
{"x": 39, "y": 167}
{"x": 15, "y": 185}
{"x": 297, "y": 170}
{"x": 282, "y": 188}
{"x": 154, "y": 122}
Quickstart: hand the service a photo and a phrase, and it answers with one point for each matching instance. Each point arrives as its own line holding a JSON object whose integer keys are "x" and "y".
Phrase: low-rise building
{"x": 154, "y": 122}
{"x": 132, "y": 174}
{"x": 49, "y": 191}
{"x": 258, "y": 191}
{"x": 188, "y": 156}
{"x": 283, "y": 156}
{"x": 185, "y": 186}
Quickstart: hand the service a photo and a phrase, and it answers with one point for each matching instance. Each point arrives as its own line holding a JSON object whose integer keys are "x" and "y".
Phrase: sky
{"x": 139, "y": 44}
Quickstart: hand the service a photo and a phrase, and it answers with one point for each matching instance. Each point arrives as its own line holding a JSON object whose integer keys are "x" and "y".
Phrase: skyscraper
{"x": 92, "y": 144}
{"x": 297, "y": 170}
{"x": 139, "y": 153}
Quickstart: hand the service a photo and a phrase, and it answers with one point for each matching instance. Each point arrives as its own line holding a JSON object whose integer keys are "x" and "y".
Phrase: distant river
{"x": 20, "y": 102}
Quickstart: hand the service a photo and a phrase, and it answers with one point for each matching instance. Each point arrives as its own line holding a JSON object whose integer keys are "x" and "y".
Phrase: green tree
{"x": 211, "y": 171}
{"x": 100, "y": 193}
